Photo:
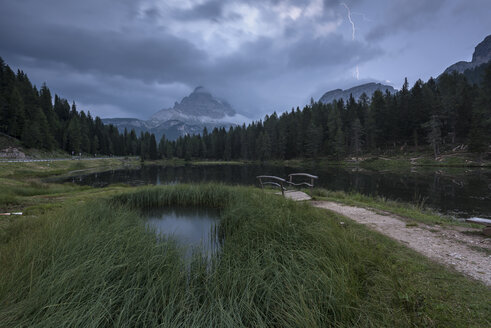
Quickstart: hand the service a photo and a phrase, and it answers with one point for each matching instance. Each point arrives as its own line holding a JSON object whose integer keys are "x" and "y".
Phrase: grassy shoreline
{"x": 401, "y": 161}
{"x": 413, "y": 213}
{"x": 24, "y": 188}
{"x": 282, "y": 264}
{"x": 370, "y": 162}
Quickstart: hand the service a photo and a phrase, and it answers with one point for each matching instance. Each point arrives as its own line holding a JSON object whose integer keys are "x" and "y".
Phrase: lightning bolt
{"x": 353, "y": 31}
{"x": 350, "y": 20}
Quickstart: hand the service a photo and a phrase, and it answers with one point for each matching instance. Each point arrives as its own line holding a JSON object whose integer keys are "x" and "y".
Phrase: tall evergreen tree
{"x": 480, "y": 136}
{"x": 152, "y": 148}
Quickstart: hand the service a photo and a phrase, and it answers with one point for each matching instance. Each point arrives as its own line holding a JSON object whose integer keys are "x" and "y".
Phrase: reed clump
{"x": 281, "y": 264}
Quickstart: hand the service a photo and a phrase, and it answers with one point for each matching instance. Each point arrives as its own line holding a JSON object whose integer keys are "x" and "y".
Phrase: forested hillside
{"x": 438, "y": 114}
{"x": 432, "y": 115}
{"x": 30, "y": 115}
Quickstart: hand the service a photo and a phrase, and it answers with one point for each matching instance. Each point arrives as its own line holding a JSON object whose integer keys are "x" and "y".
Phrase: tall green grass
{"x": 21, "y": 192}
{"x": 281, "y": 264}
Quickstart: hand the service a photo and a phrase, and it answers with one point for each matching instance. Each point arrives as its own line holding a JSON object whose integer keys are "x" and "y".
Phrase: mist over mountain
{"x": 190, "y": 116}
{"x": 357, "y": 91}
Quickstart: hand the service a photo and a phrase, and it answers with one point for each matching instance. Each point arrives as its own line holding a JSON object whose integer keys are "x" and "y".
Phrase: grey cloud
{"x": 121, "y": 63}
{"x": 213, "y": 9}
{"x": 329, "y": 51}
{"x": 152, "y": 13}
{"x": 405, "y": 15}
{"x": 327, "y": 3}
{"x": 266, "y": 58}
{"x": 162, "y": 58}
{"x": 209, "y": 10}
{"x": 131, "y": 97}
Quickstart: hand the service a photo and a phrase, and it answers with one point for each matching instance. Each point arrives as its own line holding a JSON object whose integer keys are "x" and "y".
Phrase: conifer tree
{"x": 434, "y": 135}
{"x": 15, "y": 114}
{"x": 314, "y": 141}
{"x": 73, "y": 136}
{"x": 480, "y": 136}
{"x": 152, "y": 148}
{"x": 356, "y": 136}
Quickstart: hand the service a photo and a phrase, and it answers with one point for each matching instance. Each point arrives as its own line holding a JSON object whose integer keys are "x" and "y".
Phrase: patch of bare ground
{"x": 460, "y": 248}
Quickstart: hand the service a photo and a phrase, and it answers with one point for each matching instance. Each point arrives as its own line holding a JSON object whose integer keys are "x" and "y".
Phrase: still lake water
{"x": 192, "y": 228}
{"x": 461, "y": 192}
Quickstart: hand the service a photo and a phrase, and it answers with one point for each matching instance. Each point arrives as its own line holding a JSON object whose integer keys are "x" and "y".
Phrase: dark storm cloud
{"x": 209, "y": 10}
{"x": 329, "y": 51}
{"x": 405, "y": 15}
{"x": 263, "y": 59}
{"x": 152, "y": 13}
{"x": 166, "y": 58}
{"x": 329, "y": 4}
{"x": 214, "y": 9}
{"x": 125, "y": 54}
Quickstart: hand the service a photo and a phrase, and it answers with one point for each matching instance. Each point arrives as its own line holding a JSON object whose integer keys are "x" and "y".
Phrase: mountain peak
{"x": 482, "y": 52}
{"x": 200, "y": 89}
{"x": 481, "y": 55}
{"x": 199, "y": 105}
{"x": 197, "y": 110}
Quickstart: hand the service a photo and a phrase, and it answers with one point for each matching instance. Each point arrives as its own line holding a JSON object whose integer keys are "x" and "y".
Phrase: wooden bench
{"x": 486, "y": 222}
{"x": 271, "y": 180}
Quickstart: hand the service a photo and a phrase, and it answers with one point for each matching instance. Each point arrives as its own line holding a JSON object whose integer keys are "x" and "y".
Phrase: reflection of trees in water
{"x": 469, "y": 191}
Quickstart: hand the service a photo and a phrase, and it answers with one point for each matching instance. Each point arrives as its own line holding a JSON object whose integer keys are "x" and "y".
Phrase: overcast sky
{"x": 131, "y": 58}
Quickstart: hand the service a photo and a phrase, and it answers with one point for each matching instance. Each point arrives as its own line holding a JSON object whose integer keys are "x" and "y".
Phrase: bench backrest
{"x": 302, "y": 175}
{"x": 281, "y": 183}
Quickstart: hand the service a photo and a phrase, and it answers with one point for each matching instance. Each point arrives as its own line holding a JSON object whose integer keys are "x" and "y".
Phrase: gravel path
{"x": 469, "y": 254}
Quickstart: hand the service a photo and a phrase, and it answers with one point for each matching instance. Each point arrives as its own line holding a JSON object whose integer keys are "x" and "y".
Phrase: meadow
{"x": 93, "y": 263}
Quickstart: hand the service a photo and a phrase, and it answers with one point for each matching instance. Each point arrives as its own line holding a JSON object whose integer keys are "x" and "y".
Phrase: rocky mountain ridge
{"x": 199, "y": 106}
{"x": 196, "y": 111}
{"x": 481, "y": 55}
{"x": 357, "y": 91}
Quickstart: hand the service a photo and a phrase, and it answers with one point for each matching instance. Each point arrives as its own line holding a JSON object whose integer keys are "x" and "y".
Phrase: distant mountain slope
{"x": 127, "y": 123}
{"x": 190, "y": 116}
{"x": 481, "y": 55}
{"x": 199, "y": 106}
{"x": 357, "y": 91}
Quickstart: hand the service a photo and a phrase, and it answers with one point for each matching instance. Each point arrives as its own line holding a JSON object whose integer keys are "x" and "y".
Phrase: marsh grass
{"x": 25, "y": 192}
{"x": 25, "y": 170}
{"x": 281, "y": 264}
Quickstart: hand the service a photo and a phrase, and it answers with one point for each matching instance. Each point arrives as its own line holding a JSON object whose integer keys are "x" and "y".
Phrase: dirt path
{"x": 466, "y": 253}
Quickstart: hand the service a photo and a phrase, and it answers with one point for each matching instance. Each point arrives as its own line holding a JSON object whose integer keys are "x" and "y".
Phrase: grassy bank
{"x": 412, "y": 212}
{"x": 403, "y": 161}
{"x": 23, "y": 170}
{"x": 281, "y": 264}
{"x": 23, "y": 188}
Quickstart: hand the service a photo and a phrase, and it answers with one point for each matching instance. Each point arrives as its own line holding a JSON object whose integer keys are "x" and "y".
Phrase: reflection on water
{"x": 459, "y": 192}
{"x": 193, "y": 228}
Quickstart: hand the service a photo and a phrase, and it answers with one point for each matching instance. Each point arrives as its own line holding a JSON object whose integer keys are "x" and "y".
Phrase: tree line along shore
{"x": 437, "y": 115}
